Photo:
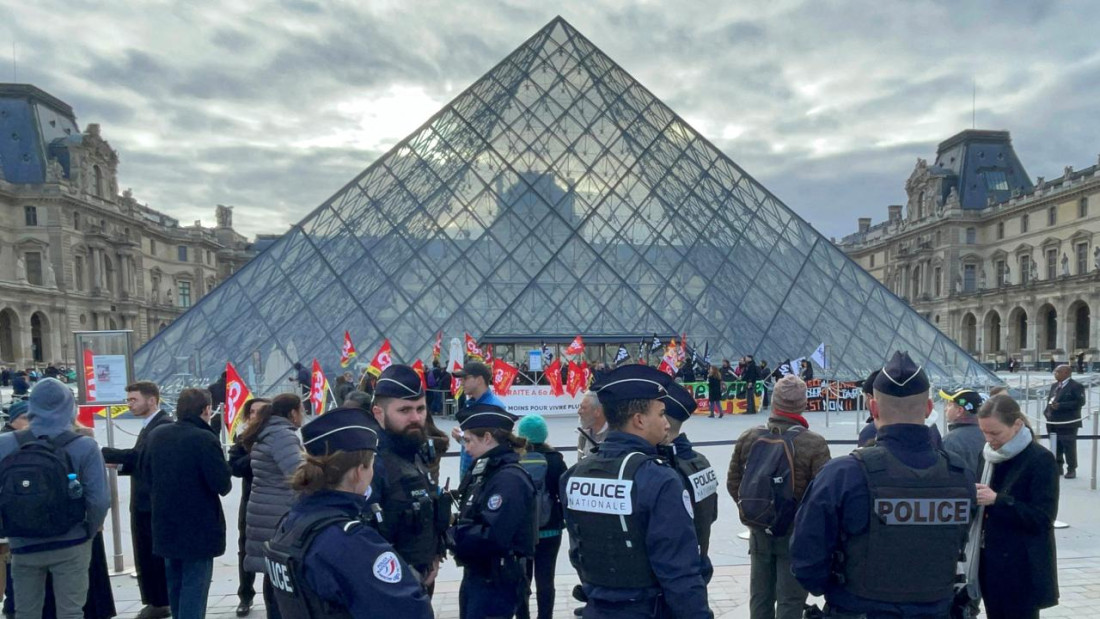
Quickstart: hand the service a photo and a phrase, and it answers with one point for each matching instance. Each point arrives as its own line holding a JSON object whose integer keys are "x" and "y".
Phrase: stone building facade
{"x": 1007, "y": 267}
{"x": 75, "y": 254}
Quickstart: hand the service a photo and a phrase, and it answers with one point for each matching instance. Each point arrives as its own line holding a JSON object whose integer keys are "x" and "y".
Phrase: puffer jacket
{"x": 274, "y": 458}
{"x": 811, "y": 452}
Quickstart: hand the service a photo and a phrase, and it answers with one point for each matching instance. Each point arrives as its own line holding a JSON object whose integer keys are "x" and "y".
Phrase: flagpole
{"x": 828, "y": 372}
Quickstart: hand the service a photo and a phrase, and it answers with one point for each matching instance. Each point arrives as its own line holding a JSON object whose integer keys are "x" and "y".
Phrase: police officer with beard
{"x": 629, "y": 515}
{"x": 412, "y": 516}
{"x": 899, "y": 502}
{"x": 699, "y": 476}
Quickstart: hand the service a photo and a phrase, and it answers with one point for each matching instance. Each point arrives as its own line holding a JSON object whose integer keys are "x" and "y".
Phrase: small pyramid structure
{"x": 554, "y": 196}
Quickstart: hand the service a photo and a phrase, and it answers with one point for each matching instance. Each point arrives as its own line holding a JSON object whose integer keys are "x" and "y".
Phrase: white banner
{"x": 536, "y": 400}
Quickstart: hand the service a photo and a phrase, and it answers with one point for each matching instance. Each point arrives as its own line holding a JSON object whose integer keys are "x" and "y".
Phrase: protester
{"x": 51, "y": 533}
{"x": 345, "y": 384}
{"x": 187, "y": 475}
{"x": 774, "y": 592}
{"x": 1063, "y": 415}
{"x": 301, "y": 376}
{"x": 217, "y": 391}
{"x": 240, "y": 465}
{"x": 143, "y": 399}
{"x": 275, "y": 452}
{"x": 19, "y": 385}
{"x": 964, "y": 438}
{"x": 750, "y": 375}
{"x": 533, "y": 429}
{"x": 714, "y": 391}
{"x": 593, "y": 425}
{"x": 1018, "y": 568}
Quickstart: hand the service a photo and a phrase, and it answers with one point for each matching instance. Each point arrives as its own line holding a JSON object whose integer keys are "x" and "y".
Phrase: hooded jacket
{"x": 274, "y": 458}
{"x": 51, "y": 411}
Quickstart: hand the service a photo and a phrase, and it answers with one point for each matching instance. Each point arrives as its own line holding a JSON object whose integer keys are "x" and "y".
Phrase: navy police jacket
{"x": 838, "y": 502}
{"x": 354, "y": 567}
{"x": 496, "y": 519}
{"x": 671, "y": 544}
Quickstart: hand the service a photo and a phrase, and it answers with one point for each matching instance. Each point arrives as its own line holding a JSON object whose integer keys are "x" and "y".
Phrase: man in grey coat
{"x": 964, "y": 438}
{"x": 52, "y": 411}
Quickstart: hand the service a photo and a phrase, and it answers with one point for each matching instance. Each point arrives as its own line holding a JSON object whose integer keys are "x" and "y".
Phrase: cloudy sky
{"x": 273, "y": 106}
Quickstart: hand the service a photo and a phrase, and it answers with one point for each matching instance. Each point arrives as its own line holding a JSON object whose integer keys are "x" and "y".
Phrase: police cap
{"x": 399, "y": 381}
{"x": 901, "y": 377}
{"x": 632, "y": 382}
{"x": 968, "y": 399}
{"x": 680, "y": 402}
{"x": 486, "y": 416}
{"x": 869, "y": 383}
{"x": 343, "y": 429}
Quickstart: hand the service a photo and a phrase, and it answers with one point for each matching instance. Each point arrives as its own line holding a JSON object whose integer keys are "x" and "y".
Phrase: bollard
{"x": 116, "y": 518}
{"x": 1095, "y": 429}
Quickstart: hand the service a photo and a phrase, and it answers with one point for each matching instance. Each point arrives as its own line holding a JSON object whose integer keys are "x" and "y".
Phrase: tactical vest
{"x": 702, "y": 484}
{"x": 284, "y": 563}
{"x": 608, "y": 541}
{"x": 512, "y": 566}
{"x": 409, "y": 510}
{"x": 919, "y": 517}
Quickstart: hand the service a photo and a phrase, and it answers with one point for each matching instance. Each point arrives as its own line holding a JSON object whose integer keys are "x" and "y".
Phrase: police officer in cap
{"x": 324, "y": 560}
{"x": 412, "y": 518}
{"x": 629, "y": 515}
{"x": 496, "y": 531}
{"x": 699, "y": 476}
{"x": 898, "y": 502}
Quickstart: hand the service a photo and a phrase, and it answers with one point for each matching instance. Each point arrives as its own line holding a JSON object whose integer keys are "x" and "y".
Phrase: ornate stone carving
{"x": 1065, "y": 265}
{"x": 49, "y": 277}
{"x": 21, "y": 270}
{"x": 54, "y": 172}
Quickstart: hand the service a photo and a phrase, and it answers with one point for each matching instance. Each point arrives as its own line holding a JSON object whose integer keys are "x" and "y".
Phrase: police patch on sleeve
{"x": 494, "y": 502}
{"x": 387, "y": 568}
{"x": 687, "y": 504}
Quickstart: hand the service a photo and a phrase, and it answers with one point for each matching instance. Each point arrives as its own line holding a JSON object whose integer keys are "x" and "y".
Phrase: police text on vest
{"x": 923, "y": 511}
{"x": 600, "y": 496}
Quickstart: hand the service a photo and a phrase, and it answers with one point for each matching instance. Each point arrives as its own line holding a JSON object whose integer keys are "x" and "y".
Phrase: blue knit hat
{"x": 17, "y": 410}
{"x": 533, "y": 428}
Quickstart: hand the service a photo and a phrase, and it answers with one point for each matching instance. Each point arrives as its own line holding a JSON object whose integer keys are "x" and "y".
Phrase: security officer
{"x": 699, "y": 476}
{"x": 629, "y": 515}
{"x": 898, "y": 502}
{"x": 412, "y": 518}
{"x": 496, "y": 531}
{"x": 324, "y": 561}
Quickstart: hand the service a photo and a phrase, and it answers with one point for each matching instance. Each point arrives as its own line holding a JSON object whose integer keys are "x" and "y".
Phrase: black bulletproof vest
{"x": 608, "y": 542}
{"x": 918, "y": 517}
{"x": 284, "y": 562}
{"x": 469, "y": 505}
{"x": 409, "y": 510}
{"x": 701, "y": 481}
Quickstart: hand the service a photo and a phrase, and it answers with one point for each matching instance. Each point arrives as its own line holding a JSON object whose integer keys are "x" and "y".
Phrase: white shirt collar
{"x": 145, "y": 422}
{"x": 1063, "y": 383}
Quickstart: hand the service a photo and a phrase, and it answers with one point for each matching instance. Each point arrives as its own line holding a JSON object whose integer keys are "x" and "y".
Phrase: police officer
{"x": 898, "y": 502}
{"x": 496, "y": 531}
{"x": 412, "y": 518}
{"x": 324, "y": 561}
{"x": 699, "y": 476}
{"x": 629, "y": 515}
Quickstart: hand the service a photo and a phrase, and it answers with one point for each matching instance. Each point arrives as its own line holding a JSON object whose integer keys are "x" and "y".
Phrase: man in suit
{"x": 1063, "y": 414}
{"x": 143, "y": 399}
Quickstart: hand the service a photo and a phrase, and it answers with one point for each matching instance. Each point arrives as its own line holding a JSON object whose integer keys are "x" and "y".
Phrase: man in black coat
{"x": 188, "y": 474}
{"x": 143, "y": 399}
{"x": 750, "y": 376}
{"x": 1063, "y": 415}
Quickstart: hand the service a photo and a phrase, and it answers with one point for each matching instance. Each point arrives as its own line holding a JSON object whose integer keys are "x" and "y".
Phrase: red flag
{"x": 236, "y": 394}
{"x": 504, "y": 374}
{"x": 575, "y": 348}
{"x": 348, "y": 353}
{"x": 553, "y": 375}
{"x": 318, "y": 389}
{"x": 418, "y": 367}
{"x": 438, "y": 348}
{"x": 382, "y": 359}
{"x": 89, "y": 374}
{"x": 586, "y": 376}
{"x": 669, "y": 363}
{"x": 489, "y": 353}
{"x": 472, "y": 349}
{"x": 573, "y": 379}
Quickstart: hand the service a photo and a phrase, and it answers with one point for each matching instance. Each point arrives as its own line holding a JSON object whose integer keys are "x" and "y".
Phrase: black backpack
{"x": 766, "y": 495}
{"x": 535, "y": 465}
{"x": 35, "y": 500}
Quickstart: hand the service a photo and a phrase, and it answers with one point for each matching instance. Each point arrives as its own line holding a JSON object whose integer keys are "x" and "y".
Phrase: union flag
{"x": 236, "y": 394}
{"x": 553, "y": 375}
{"x": 382, "y": 359}
{"x": 473, "y": 350}
{"x": 318, "y": 389}
{"x": 504, "y": 374}
{"x": 574, "y": 378}
{"x": 576, "y": 347}
{"x": 418, "y": 367}
{"x": 348, "y": 353}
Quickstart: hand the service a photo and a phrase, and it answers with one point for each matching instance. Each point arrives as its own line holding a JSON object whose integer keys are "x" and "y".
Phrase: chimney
{"x": 894, "y": 211}
{"x": 864, "y": 224}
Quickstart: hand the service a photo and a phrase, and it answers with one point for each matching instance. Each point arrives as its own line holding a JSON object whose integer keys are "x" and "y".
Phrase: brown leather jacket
{"x": 811, "y": 452}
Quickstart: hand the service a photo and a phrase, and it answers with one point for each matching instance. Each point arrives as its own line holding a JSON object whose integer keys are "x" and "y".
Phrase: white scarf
{"x": 1009, "y": 450}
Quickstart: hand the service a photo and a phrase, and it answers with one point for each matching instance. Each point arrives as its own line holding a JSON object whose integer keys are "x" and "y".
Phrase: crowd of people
{"x": 345, "y": 515}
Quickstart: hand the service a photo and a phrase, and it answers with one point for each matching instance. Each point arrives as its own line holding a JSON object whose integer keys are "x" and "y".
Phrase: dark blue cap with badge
{"x": 901, "y": 377}
{"x": 486, "y": 416}
{"x": 340, "y": 430}
{"x": 680, "y": 402}
{"x": 631, "y": 382}
{"x": 399, "y": 381}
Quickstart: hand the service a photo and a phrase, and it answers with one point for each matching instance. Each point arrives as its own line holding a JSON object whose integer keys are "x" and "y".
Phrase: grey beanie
{"x": 51, "y": 405}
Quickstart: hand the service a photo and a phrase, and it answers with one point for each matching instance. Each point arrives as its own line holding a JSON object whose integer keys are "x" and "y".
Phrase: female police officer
{"x": 324, "y": 561}
{"x": 495, "y": 534}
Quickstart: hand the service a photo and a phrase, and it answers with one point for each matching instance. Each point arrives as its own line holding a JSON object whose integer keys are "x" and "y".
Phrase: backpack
{"x": 535, "y": 465}
{"x": 766, "y": 495}
{"x": 35, "y": 500}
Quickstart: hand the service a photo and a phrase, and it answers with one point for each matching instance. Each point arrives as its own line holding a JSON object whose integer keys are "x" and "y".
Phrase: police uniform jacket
{"x": 838, "y": 502}
{"x": 353, "y": 567}
{"x": 662, "y": 505}
{"x": 395, "y": 491}
{"x": 496, "y": 519}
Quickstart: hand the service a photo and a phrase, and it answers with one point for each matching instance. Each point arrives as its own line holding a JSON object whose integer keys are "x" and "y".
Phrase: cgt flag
{"x": 236, "y": 394}
{"x": 576, "y": 347}
{"x": 504, "y": 374}
{"x": 382, "y": 359}
{"x": 574, "y": 379}
{"x": 488, "y": 354}
{"x": 437, "y": 349}
{"x": 348, "y": 353}
{"x": 472, "y": 349}
{"x": 318, "y": 389}
{"x": 553, "y": 376}
{"x": 418, "y": 367}
{"x": 622, "y": 355}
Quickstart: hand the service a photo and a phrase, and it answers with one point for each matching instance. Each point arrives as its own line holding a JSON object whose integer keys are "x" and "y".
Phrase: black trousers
{"x": 1065, "y": 446}
{"x": 246, "y": 590}
{"x": 542, "y": 569}
{"x": 152, "y": 580}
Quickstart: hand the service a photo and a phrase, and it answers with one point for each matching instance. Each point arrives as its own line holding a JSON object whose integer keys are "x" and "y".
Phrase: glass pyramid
{"x": 555, "y": 196}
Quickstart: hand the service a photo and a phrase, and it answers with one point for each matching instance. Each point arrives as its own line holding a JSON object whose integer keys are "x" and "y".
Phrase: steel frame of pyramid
{"x": 555, "y": 196}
